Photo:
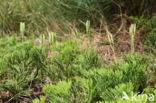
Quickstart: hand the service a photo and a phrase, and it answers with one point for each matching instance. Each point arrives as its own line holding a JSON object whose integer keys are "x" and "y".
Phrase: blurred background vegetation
{"x": 60, "y": 15}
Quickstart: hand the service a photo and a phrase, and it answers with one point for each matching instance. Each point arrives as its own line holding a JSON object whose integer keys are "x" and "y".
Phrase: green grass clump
{"x": 150, "y": 25}
{"x": 71, "y": 60}
{"x": 109, "y": 84}
{"x": 77, "y": 90}
{"x": 82, "y": 90}
{"x": 59, "y": 93}
{"x": 70, "y": 73}
{"x": 151, "y": 36}
{"x": 21, "y": 64}
{"x": 150, "y": 40}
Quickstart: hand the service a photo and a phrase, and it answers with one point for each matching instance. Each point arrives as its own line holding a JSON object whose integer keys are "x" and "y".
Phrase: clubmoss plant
{"x": 132, "y": 33}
